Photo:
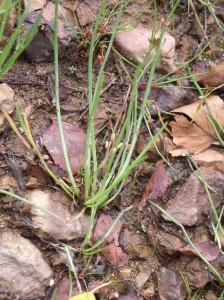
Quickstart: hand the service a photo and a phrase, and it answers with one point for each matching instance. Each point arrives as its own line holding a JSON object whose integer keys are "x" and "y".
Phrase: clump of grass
{"x": 7, "y": 59}
{"x": 120, "y": 162}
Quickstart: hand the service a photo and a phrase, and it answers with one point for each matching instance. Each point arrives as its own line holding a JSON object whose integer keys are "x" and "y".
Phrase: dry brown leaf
{"x": 156, "y": 186}
{"x": 113, "y": 253}
{"x": 193, "y": 138}
{"x": 213, "y": 78}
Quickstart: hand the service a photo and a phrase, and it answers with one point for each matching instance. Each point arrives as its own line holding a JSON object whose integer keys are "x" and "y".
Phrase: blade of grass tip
{"x": 57, "y": 103}
{"x": 189, "y": 241}
{"x": 208, "y": 194}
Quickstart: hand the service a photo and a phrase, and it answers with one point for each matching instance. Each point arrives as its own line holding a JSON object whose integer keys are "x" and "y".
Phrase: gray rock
{"x": 169, "y": 97}
{"x": 23, "y": 270}
{"x": 137, "y": 42}
{"x": 48, "y": 226}
{"x": 170, "y": 285}
{"x": 42, "y": 46}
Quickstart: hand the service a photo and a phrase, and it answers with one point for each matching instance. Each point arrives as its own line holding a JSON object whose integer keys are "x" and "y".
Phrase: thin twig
{"x": 12, "y": 124}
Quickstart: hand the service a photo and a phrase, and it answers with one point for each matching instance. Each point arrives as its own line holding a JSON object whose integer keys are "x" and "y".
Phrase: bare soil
{"x": 140, "y": 237}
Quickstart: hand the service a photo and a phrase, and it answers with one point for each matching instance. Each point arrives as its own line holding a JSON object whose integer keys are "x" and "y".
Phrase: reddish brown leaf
{"x": 113, "y": 253}
{"x": 213, "y": 76}
{"x": 219, "y": 10}
{"x": 208, "y": 249}
{"x": 156, "y": 186}
{"x": 75, "y": 144}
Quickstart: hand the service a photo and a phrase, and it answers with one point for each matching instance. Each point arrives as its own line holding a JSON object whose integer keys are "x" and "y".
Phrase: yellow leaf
{"x": 84, "y": 296}
{"x": 88, "y": 295}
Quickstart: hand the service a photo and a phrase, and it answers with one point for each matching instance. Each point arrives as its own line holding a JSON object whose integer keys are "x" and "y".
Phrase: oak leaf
{"x": 194, "y": 137}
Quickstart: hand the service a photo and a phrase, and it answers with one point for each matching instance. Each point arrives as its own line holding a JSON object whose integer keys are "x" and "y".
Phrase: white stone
{"x": 49, "y": 226}
{"x": 23, "y": 270}
{"x": 6, "y": 100}
{"x": 135, "y": 43}
{"x": 35, "y": 4}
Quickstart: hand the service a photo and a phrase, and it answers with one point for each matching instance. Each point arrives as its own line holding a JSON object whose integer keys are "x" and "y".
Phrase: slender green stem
{"x": 57, "y": 103}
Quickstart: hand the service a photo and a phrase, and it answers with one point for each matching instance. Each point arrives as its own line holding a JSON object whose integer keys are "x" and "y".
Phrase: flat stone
{"x": 48, "y": 226}
{"x": 170, "y": 285}
{"x": 167, "y": 243}
{"x": 84, "y": 15}
{"x": 191, "y": 206}
{"x": 6, "y": 101}
{"x": 169, "y": 98}
{"x": 136, "y": 42}
{"x": 126, "y": 272}
{"x": 32, "y": 183}
{"x": 8, "y": 183}
{"x": 149, "y": 291}
{"x": 23, "y": 270}
{"x": 210, "y": 296}
{"x": 42, "y": 46}
{"x": 142, "y": 277}
{"x": 35, "y": 4}
{"x": 196, "y": 272}
{"x": 135, "y": 245}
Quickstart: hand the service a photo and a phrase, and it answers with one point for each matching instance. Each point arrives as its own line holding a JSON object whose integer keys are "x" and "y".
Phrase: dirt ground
{"x": 154, "y": 267}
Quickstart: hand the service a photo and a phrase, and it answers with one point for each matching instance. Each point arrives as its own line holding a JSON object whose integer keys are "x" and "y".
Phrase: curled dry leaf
{"x": 194, "y": 137}
{"x": 213, "y": 77}
{"x": 156, "y": 186}
{"x": 208, "y": 249}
